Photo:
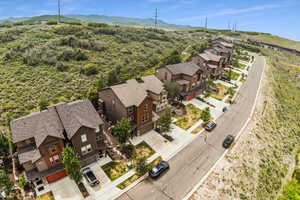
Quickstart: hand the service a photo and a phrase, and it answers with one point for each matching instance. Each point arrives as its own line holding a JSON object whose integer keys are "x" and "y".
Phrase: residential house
{"x": 130, "y": 100}
{"x": 189, "y": 76}
{"x": 223, "y": 48}
{"x": 40, "y": 138}
{"x": 213, "y": 63}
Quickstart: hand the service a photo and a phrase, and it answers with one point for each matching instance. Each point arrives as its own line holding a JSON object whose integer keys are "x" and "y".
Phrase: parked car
{"x": 158, "y": 169}
{"x": 90, "y": 177}
{"x": 210, "y": 126}
{"x": 228, "y": 141}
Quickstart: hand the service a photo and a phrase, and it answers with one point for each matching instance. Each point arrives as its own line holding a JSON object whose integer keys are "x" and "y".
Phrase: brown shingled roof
{"x": 187, "y": 68}
{"x": 210, "y": 56}
{"x": 76, "y": 114}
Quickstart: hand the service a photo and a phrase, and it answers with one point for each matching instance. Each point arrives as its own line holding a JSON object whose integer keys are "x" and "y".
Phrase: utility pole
{"x": 229, "y": 25}
{"x": 156, "y": 17}
{"x": 205, "y": 23}
{"x": 58, "y": 17}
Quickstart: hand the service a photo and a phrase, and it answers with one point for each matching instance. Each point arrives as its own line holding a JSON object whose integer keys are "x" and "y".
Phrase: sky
{"x": 279, "y": 17}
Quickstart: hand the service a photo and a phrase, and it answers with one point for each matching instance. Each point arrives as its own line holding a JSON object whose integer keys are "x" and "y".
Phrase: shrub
{"x": 141, "y": 166}
{"x": 51, "y": 22}
{"x": 60, "y": 66}
{"x": 89, "y": 69}
{"x": 128, "y": 151}
{"x": 96, "y": 24}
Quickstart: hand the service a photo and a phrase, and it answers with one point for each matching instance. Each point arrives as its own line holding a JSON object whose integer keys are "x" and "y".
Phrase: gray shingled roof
{"x": 130, "y": 93}
{"x": 210, "y": 56}
{"x": 33, "y": 156}
{"x": 223, "y": 50}
{"x": 153, "y": 84}
{"x": 188, "y": 68}
{"x": 76, "y": 114}
{"x": 37, "y": 126}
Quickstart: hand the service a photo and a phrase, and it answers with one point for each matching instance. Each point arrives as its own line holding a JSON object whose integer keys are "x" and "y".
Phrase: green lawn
{"x": 115, "y": 170}
{"x": 187, "y": 121}
{"x": 143, "y": 150}
{"x": 222, "y": 92}
{"x": 234, "y": 75}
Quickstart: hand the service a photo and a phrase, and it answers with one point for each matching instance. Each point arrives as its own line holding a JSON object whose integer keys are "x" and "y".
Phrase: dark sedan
{"x": 158, "y": 169}
{"x": 90, "y": 177}
{"x": 228, "y": 141}
{"x": 210, "y": 126}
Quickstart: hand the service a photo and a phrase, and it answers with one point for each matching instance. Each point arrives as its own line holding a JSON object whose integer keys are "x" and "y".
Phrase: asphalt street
{"x": 192, "y": 163}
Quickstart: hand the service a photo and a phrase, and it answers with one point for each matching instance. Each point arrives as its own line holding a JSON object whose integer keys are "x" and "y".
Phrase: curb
{"x": 237, "y": 137}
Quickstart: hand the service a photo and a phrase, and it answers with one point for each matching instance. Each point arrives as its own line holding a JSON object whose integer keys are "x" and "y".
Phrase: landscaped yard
{"x": 134, "y": 177}
{"x": 187, "y": 121}
{"x": 47, "y": 196}
{"x": 222, "y": 90}
{"x": 198, "y": 129}
{"x": 115, "y": 170}
{"x": 143, "y": 150}
{"x": 242, "y": 66}
{"x": 234, "y": 75}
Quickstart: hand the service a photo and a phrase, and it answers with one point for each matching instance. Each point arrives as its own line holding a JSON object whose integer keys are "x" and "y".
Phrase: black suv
{"x": 158, "y": 169}
{"x": 228, "y": 141}
{"x": 90, "y": 177}
{"x": 210, "y": 126}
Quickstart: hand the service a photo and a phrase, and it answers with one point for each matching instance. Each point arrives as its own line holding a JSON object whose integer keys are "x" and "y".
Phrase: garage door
{"x": 58, "y": 175}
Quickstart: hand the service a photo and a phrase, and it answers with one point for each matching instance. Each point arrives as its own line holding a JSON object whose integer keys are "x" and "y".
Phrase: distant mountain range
{"x": 93, "y": 18}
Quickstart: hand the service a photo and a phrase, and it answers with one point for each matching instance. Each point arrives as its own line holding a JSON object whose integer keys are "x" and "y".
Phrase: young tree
{"x": 92, "y": 95}
{"x": 205, "y": 115}
{"x": 23, "y": 182}
{"x": 72, "y": 164}
{"x": 172, "y": 57}
{"x": 141, "y": 166}
{"x": 112, "y": 78}
{"x": 165, "y": 121}
{"x": 173, "y": 90}
{"x": 122, "y": 130}
{"x": 43, "y": 103}
{"x": 100, "y": 84}
{"x": 6, "y": 183}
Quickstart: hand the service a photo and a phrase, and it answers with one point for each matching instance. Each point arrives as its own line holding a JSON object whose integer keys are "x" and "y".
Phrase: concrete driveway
{"x": 65, "y": 189}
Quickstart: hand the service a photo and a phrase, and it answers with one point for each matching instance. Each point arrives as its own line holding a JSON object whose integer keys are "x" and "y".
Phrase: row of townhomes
{"x": 39, "y": 138}
{"x": 192, "y": 76}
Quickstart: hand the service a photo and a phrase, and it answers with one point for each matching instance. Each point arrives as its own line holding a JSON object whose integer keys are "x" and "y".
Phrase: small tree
{"x": 43, "y": 103}
{"x": 165, "y": 121}
{"x": 92, "y": 95}
{"x": 205, "y": 115}
{"x": 23, "y": 182}
{"x": 112, "y": 78}
{"x": 72, "y": 164}
{"x": 6, "y": 183}
{"x": 141, "y": 166}
{"x": 100, "y": 84}
{"x": 122, "y": 130}
{"x": 171, "y": 57}
{"x": 173, "y": 90}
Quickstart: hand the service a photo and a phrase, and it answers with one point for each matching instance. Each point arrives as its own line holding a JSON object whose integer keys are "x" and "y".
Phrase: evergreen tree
{"x": 165, "y": 121}
{"x": 72, "y": 164}
{"x": 122, "y": 130}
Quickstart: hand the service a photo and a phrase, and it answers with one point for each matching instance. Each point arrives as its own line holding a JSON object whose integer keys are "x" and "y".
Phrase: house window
{"x": 86, "y": 149}
{"x": 97, "y": 130}
{"x": 130, "y": 110}
{"x": 54, "y": 159}
{"x": 53, "y": 148}
{"x": 145, "y": 118}
{"x": 166, "y": 76}
{"x": 145, "y": 107}
{"x": 83, "y": 138}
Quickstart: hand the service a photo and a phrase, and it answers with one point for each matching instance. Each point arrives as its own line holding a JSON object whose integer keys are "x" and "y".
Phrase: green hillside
{"x": 62, "y": 62}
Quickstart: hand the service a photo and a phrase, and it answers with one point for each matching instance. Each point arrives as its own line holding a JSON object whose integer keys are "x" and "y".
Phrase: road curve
{"x": 192, "y": 163}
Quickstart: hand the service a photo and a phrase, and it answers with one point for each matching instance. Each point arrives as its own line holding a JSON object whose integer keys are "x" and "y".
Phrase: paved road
{"x": 194, "y": 161}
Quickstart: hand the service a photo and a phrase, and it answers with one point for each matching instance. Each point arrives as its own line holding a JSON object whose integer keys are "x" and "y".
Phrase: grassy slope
{"x": 29, "y": 54}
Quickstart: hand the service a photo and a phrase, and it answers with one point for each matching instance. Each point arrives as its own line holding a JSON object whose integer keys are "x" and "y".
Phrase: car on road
{"x": 90, "y": 177}
{"x": 228, "y": 141}
{"x": 158, "y": 169}
{"x": 210, "y": 126}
